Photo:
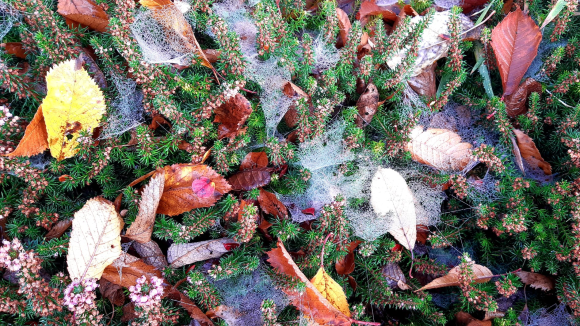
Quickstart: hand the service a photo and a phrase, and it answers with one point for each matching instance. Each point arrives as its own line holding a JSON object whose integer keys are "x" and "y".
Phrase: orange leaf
{"x": 16, "y": 49}
{"x": 232, "y": 115}
{"x": 270, "y": 204}
{"x": 530, "y": 152}
{"x": 35, "y": 140}
{"x": 85, "y": 12}
{"x": 515, "y": 43}
{"x": 126, "y": 269}
{"x": 254, "y": 160}
{"x": 345, "y": 265}
{"x": 178, "y": 196}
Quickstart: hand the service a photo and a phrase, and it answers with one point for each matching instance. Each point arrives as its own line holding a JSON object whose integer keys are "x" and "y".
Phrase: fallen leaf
{"x": 250, "y": 179}
{"x": 367, "y": 105}
{"x": 111, "y": 291}
{"x": 536, "y": 281}
{"x": 35, "y": 139}
{"x": 516, "y": 103}
{"x": 188, "y": 253}
{"x": 178, "y": 196}
{"x": 530, "y": 152}
{"x": 203, "y": 187}
{"x": 263, "y": 227}
{"x": 151, "y": 254}
{"x": 465, "y": 319}
{"x": 309, "y": 211}
{"x": 254, "y": 160}
{"x": 390, "y": 196}
{"x": 270, "y": 204}
{"x": 515, "y": 42}
{"x": 489, "y": 315}
{"x": 129, "y": 312}
{"x": 194, "y": 312}
{"x": 370, "y": 8}
{"x": 126, "y": 269}
{"x": 212, "y": 55}
{"x": 394, "y": 275}
{"x": 469, "y": 5}
{"x": 331, "y": 290}
{"x": 73, "y": 103}
{"x": 422, "y": 233}
{"x": 85, "y": 12}
{"x": 92, "y": 67}
{"x": 16, "y": 49}
{"x": 352, "y": 282}
{"x": 58, "y": 229}
{"x": 293, "y": 92}
{"x": 481, "y": 273}
{"x": 310, "y": 302}
{"x": 344, "y": 25}
{"x": 95, "y": 240}
{"x": 345, "y": 265}
{"x": 232, "y": 115}
{"x": 158, "y": 120}
{"x": 439, "y": 148}
{"x": 425, "y": 83}
{"x": 142, "y": 228}
{"x": 517, "y": 155}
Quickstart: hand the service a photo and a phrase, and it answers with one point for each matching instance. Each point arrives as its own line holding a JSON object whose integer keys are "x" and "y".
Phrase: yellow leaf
{"x": 331, "y": 290}
{"x": 73, "y": 103}
{"x": 95, "y": 240}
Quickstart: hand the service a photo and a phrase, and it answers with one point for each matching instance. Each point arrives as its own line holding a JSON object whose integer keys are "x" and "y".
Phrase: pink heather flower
{"x": 12, "y": 254}
{"x": 79, "y": 293}
{"x": 147, "y": 294}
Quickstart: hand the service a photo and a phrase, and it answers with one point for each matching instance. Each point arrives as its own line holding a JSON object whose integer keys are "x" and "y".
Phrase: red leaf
{"x": 370, "y": 8}
{"x": 203, "y": 187}
{"x": 254, "y": 160}
{"x": 469, "y": 5}
{"x": 64, "y": 177}
{"x": 352, "y": 282}
{"x": 308, "y": 211}
{"x": 157, "y": 121}
{"x": 250, "y": 179}
{"x": 231, "y": 246}
{"x": 270, "y": 204}
{"x": 232, "y": 115}
{"x": 16, "y": 49}
{"x": 515, "y": 43}
{"x": 516, "y": 103}
{"x": 397, "y": 247}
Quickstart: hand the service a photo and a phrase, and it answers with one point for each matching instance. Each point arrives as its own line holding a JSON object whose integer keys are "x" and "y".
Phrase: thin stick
{"x": 559, "y": 100}
{"x": 322, "y": 254}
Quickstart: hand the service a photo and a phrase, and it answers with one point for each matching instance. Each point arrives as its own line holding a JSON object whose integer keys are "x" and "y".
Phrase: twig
{"x": 559, "y": 100}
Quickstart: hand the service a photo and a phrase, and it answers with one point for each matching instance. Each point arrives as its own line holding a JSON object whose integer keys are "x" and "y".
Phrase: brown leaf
{"x": 250, "y": 179}
{"x": 425, "y": 83}
{"x": 516, "y": 103}
{"x": 294, "y": 92}
{"x": 469, "y": 5}
{"x": 212, "y": 55}
{"x": 530, "y": 152}
{"x": 92, "y": 67}
{"x": 254, "y": 160}
{"x": 232, "y": 115}
{"x": 489, "y": 315}
{"x": 310, "y": 302}
{"x": 422, "y": 233}
{"x": 58, "y": 229}
{"x": 85, "y": 12}
{"x": 345, "y": 265}
{"x": 393, "y": 274}
{"x": 439, "y": 148}
{"x": 113, "y": 292}
{"x": 482, "y": 274}
{"x": 517, "y": 155}
{"x": 151, "y": 254}
{"x": 515, "y": 43}
{"x": 129, "y": 312}
{"x": 536, "y": 281}
{"x": 263, "y": 227}
{"x": 344, "y": 25}
{"x": 367, "y": 105}
{"x": 142, "y": 228}
{"x": 465, "y": 319}
{"x": 194, "y": 312}
{"x": 178, "y": 196}
{"x": 181, "y": 254}
{"x": 35, "y": 139}
{"x": 16, "y": 49}
{"x": 352, "y": 282}
{"x": 158, "y": 120}
{"x": 270, "y": 204}
{"x": 370, "y": 8}
{"x": 126, "y": 269}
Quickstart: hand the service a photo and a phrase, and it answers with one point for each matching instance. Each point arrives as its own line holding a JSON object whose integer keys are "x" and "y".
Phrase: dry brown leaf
{"x": 151, "y": 254}
{"x": 530, "y": 152}
{"x": 16, "y": 49}
{"x": 85, "y": 12}
{"x": 367, "y": 105}
{"x": 482, "y": 274}
{"x": 95, "y": 240}
{"x": 194, "y": 312}
{"x": 58, "y": 229}
{"x": 232, "y": 115}
{"x": 515, "y": 43}
{"x": 425, "y": 83}
{"x": 469, "y": 5}
{"x": 516, "y": 103}
{"x": 536, "y": 281}
{"x": 178, "y": 196}
{"x": 345, "y": 265}
{"x": 126, "y": 269}
{"x": 394, "y": 275}
{"x": 35, "y": 139}
{"x": 111, "y": 291}
{"x": 254, "y": 160}
{"x": 250, "y": 179}
{"x": 270, "y": 204}
{"x": 142, "y": 228}
{"x": 370, "y": 8}
{"x": 331, "y": 291}
{"x": 422, "y": 233}
{"x": 344, "y": 25}
{"x": 489, "y": 315}
{"x": 87, "y": 56}
{"x": 517, "y": 154}
{"x": 292, "y": 91}
{"x": 188, "y": 253}
{"x": 212, "y": 55}
{"x": 439, "y": 148}
{"x": 465, "y": 319}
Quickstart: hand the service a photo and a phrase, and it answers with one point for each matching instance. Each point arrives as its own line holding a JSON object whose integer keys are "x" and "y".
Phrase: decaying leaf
{"x": 367, "y": 105}
{"x": 469, "y": 5}
{"x": 73, "y": 103}
{"x": 530, "y": 152}
{"x": 126, "y": 269}
{"x": 85, "y": 12}
{"x": 254, "y": 160}
{"x": 95, "y": 240}
{"x": 394, "y": 275}
{"x": 270, "y": 204}
{"x": 515, "y": 43}
{"x": 390, "y": 196}
{"x": 16, "y": 49}
{"x": 482, "y": 274}
{"x": 250, "y": 179}
{"x": 370, "y": 8}
{"x": 536, "y": 281}
{"x": 344, "y": 25}
{"x": 111, "y": 291}
{"x": 422, "y": 233}
{"x": 516, "y": 103}
{"x": 294, "y": 92}
{"x": 232, "y": 115}
{"x": 310, "y": 302}
{"x": 178, "y": 196}
{"x": 331, "y": 291}
{"x": 35, "y": 139}
{"x": 141, "y": 229}
{"x": 439, "y": 148}
{"x": 465, "y": 319}
{"x": 58, "y": 229}
{"x": 425, "y": 83}
{"x": 86, "y": 55}
{"x": 151, "y": 254}
{"x": 345, "y": 265}
{"x": 194, "y": 312}
{"x": 188, "y": 253}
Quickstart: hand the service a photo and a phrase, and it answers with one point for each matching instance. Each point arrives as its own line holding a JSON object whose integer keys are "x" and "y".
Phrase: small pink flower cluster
{"x": 147, "y": 294}
{"x": 11, "y": 255}
{"x": 80, "y": 293}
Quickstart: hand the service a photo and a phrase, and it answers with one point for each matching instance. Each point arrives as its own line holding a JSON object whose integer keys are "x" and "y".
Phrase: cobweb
{"x": 557, "y": 317}
{"x": 243, "y": 295}
{"x": 7, "y": 18}
{"x": 126, "y": 110}
{"x": 325, "y": 55}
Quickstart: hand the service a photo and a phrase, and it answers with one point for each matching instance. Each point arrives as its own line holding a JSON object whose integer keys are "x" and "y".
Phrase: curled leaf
{"x": 370, "y": 8}
{"x": 270, "y": 204}
{"x": 530, "y": 152}
{"x": 516, "y": 103}
{"x": 344, "y": 25}
{"x": 345, "y": 265}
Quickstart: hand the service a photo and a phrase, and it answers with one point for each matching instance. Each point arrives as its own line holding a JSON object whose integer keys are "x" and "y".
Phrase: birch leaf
{"x": 95, "y": 240}
{"x": 482, "y": 275}
{"x": 331, "y": 290}
{"x": 141, "y": 229}
{"x": 439, "y": 148}
{"x": 390, "y": 195}
{"x": 73, "y": 103}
